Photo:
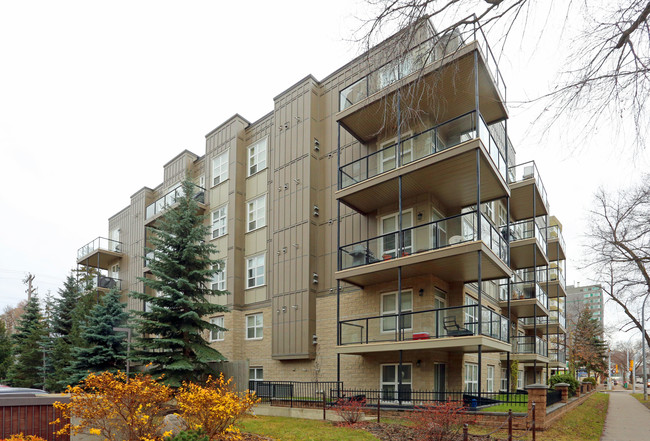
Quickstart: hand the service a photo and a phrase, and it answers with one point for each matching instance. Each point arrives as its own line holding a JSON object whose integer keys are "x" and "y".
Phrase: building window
{"x": 390, "y": 224}
{"x": 471, "y": 313}
{"x": 220, "y": 222}
{"x": 219, "y": 279}
{"x": 254, "y": 326}
{"x": 490, "y": 379}
{"x": 389, "y": 382}
{"x": 257, "y": 213}
{"x": 504, "y": 379}
{"x": 255, "y": 271}
{"x": 520, "y": 380}
{"x": 217, "y": 335}
{"x": 202, "y": 181}
{"x": 257, "y": 156}
{"x": 220, "y": 169}
{"x": 256, "y": 374}
{"x": 471, "y": 377}
{"x": 389, "y": 307}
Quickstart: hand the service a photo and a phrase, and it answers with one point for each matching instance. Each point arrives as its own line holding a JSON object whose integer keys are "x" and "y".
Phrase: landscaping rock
{"x": 173, "y": 423}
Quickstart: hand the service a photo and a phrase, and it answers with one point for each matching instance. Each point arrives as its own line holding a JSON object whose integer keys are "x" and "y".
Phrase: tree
{"x": 619, "y": 244}
{"x": 587, "y": 349}
{"x": 11, "y": 315}
{"x": 26, "y": 346}
{"x": 5, "y": 350}
{"x": 104, "y": 349}
{"x": 173, "y": 325}
{"x": 607, "y": 74}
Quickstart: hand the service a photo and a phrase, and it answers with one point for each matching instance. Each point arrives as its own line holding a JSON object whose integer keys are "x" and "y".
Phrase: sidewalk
{"x": 627, "y": 419}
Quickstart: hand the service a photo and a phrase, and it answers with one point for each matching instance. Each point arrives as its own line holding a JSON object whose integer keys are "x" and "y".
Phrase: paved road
{"x": 627, "y": 419}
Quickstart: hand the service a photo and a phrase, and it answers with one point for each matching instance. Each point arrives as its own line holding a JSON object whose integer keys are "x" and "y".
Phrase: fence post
{"x": 534, "y": 429}
{"x": 509, "y": 424}
{"x": 324, "y": 406}
{"x": 537, "y": 403}
{"x": 379, "y": 410}
{"x": 465, "y": 433}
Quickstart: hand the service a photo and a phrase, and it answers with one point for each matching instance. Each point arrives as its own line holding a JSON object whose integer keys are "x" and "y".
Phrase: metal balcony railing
{"x": 529, "y": 344}
{"x": 527, "y": 229}
{"x": 522, "y": 290}
{"x": 169, "y": 199}
{"x": 528, "y": 170}
{"x": 558, "y": 355}
{"x": 554, "y": 233}
{"x": 430, "y": 236}
{"x": 424, "y": 325}
{"x": 100, "y": 243}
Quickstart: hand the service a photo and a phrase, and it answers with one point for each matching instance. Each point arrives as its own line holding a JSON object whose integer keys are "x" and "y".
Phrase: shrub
{"x": 350, "y": 410}
{"x": 591, "y": 380}
{"x": 109, "y": 406}
{"x": 565, "y": 378}
{"x": 439, "y": 422}
{"x": 214, "y": 407}
{"x": 21, "y": 437}
{"x": 189, "y": 435}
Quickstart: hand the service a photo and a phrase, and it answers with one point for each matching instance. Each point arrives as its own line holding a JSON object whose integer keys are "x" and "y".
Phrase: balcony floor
{"x": 455, "y": 263}
{"x": 526, "y": 358}
{"x": 555, "y": 289}
{"x": 524, "y": 308}
{"x": 100, "y": 258}
{"x": 527, "y": 253}
{"x": 449, "y": 174}
{"x": 555, "y": 250}
{"x": 526, "y": 201}
{"x": 449, "y": 344}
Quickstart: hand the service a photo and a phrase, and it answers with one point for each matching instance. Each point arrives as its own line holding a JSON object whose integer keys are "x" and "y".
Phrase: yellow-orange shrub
{"x": 21, "y": 437}
{"x": 214, "y": 407}
{"x": 107, "y": 405}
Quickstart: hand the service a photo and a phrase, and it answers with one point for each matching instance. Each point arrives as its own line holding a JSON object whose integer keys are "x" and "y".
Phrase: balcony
{"x": 447, "y": 329}
{"x": 528, "y": 349}
{"x": 557, "y": 279}
{"x": 527, "y": 298}
{"x": 528, "y": 197}
{"x": 440, "y": 67}
{"x": 556, "y": 245}
{"x": 105, "y": 283}
{"x": 527, "y": 245}
{"x": 441, "y": 160}
{"x": 557, "y": 358}
{"x": 148, "y": 257}
{"x": 155, "y": 210}
{"x": 556, "y": 323}
{"x": 447, "y": 248}
{"x": 100, "y": 253}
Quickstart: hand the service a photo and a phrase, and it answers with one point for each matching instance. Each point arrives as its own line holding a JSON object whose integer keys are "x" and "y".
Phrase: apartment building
{"x": 585, "y": 297}
{"x": 375, "y": 226}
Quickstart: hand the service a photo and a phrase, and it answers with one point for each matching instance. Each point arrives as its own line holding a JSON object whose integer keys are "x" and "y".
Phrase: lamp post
{"x": 643, "y": 343}
{"x": 609, "y": 369}
{"x": 128, "y": 348}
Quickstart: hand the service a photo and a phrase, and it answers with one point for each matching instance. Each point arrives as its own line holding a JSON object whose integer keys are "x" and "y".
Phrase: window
{"x": 220, "y": 169}
{"x": 471, "y": 377}
{"x": 389, "y": 243}
{"x": 255, "y": 271}
{"x": 488, "y": 209}
{"x": 504, "y": 379}
{"x": 219, "y": 279}
{"x": 254, "y": 326}
{"x": 257, "y": 213}
{"x": 202, "y": 181}
{"x": 220, "y": 222}
{"x": 490, "y": 379}
{"x": 256, "y": 374}
{"x": 257, "y": 156}
{"x": 471, "y": 313}
{"x": 389, "y": 382}
{"x": 502, "y": 215}
{"x": 389, "y": 307}
{"x": 520, "y": 380}
{"x": 217, "y": 335}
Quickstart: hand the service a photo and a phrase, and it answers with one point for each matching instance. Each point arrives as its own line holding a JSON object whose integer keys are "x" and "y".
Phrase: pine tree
{"x": 103, "y": 349}
{"x": 588, "y": 350}
{"x": 26, "y": 346}
{"x": 172, "y": 328}
{"x": 5, "y": 351}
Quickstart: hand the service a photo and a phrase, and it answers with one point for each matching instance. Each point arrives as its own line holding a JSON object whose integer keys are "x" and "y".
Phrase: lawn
{"x": 516, "y": 407}
{"x": 296, "y": 429}
{"x": 640, "y": 398}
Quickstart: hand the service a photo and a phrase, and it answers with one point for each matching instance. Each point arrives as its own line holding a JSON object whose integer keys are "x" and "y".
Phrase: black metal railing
{"x": 553, "y": 396}
{"x": 293, "y": 392}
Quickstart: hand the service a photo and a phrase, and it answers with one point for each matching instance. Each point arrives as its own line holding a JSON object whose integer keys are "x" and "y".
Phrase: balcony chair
{"x": 453, "y": 329}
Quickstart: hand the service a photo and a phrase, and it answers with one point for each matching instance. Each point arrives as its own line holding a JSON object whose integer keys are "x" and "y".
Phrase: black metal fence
{"x": 294, "y": 392}
{"x": 553, "y": 396}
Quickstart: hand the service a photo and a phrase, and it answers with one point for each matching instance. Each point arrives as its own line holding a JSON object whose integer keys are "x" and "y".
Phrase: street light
{"x": 128, "y": 348}
{"x": 643, "y": 343}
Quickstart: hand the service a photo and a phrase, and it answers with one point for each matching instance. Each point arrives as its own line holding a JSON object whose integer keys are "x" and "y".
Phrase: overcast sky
{"x": 96, "y": 96}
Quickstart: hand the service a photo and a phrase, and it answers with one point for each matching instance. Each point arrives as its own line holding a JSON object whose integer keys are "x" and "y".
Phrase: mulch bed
{"x": 396, "y": 432}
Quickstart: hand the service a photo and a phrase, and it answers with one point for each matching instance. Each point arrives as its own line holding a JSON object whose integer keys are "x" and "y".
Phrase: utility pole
{"x": 609, "y": 370}
{"x": 28, "y": 281}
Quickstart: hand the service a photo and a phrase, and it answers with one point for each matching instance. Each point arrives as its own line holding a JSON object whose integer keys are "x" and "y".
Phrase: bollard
{"x": 379, "y": 410}
{"x": 509, "y": 424}
{"x": 534, "y": 421}
{"x": 324, "y": 406}
{"x": 465, "y": 433}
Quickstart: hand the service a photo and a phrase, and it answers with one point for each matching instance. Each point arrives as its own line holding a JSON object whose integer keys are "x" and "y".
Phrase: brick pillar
{"x": 537, "y": 394}
{"x": 578, "y": 390}
{"x": 564, "y": 388}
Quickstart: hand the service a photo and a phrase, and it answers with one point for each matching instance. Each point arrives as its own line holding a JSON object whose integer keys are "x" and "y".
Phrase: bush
{"x": 214, "y": 407}
{"x": 350, "y": 410}
{"x": 21, "y": 437}
{"x": 591, "y": 380}
{"x": 189, "y": 435}
{"x": 565, "y": 378}
{"x": 439, "y": 422}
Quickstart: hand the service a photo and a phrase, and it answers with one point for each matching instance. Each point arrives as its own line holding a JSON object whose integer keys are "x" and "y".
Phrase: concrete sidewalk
{"x": 627, "y": 419}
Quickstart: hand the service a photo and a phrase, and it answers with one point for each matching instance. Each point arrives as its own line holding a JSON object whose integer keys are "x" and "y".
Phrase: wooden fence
{"x": 31, "y": 415}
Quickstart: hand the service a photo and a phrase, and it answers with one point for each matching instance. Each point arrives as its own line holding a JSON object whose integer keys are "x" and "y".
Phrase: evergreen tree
{"x": 172, "y": 328}
{"x": 103, "y": 349}
{"x": 588, "y": 350}
{"x": 5, "y": 351}
{"x": 26, "y": 370}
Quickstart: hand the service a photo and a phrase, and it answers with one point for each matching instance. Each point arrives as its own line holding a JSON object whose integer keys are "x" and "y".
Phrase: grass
{"x": 640, "y": 398}
{"x": 296, "y": 429}
{"x": 584, "y": 423}
{"x": 516, "y": 407}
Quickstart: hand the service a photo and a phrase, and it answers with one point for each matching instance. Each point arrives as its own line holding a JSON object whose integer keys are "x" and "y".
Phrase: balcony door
{"x": 440, "y": 302}
{"x": 114, "y": 242}
{"x": 389, "y": 308}
{"x": 388, "y": 153}
{"x": 391, "y": 390}
{"x": 389, "y": 242}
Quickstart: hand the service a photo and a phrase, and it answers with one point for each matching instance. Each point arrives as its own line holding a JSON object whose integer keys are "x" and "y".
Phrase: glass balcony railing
{"x": 424, "y": 54}
{"x": 556, "y": 317}
{"x": 170, "y": 199}
{"x": 105, "y": 282}
{"x": 528, "y": 170}
{"x": 525, "y": 230}
{"x": 529, "y": 344}
{"x": 557, "y": 273}
{"x": 558, "y": 355}
{"x": 538, "y": 274}
{"x": 424, "y": 325}
{"x": 520, "y": 290}
{"x": 530, "y": 321}
{"x": 430, "y": 236}
{"x": 554, "y": 233}
{"x": 149, "y": 257}
{"x": 100, "y": 243}
{"x": 436, "y": 139}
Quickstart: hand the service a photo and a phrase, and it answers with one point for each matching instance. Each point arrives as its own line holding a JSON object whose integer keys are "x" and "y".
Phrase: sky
{"x": 95, "y": 97}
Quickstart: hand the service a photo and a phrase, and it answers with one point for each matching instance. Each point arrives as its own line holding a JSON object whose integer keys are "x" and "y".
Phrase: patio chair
{"x": 453, "y": 329}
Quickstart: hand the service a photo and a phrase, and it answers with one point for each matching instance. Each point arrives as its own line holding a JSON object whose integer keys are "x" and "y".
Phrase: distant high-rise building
{"x": 589, "y": 297}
